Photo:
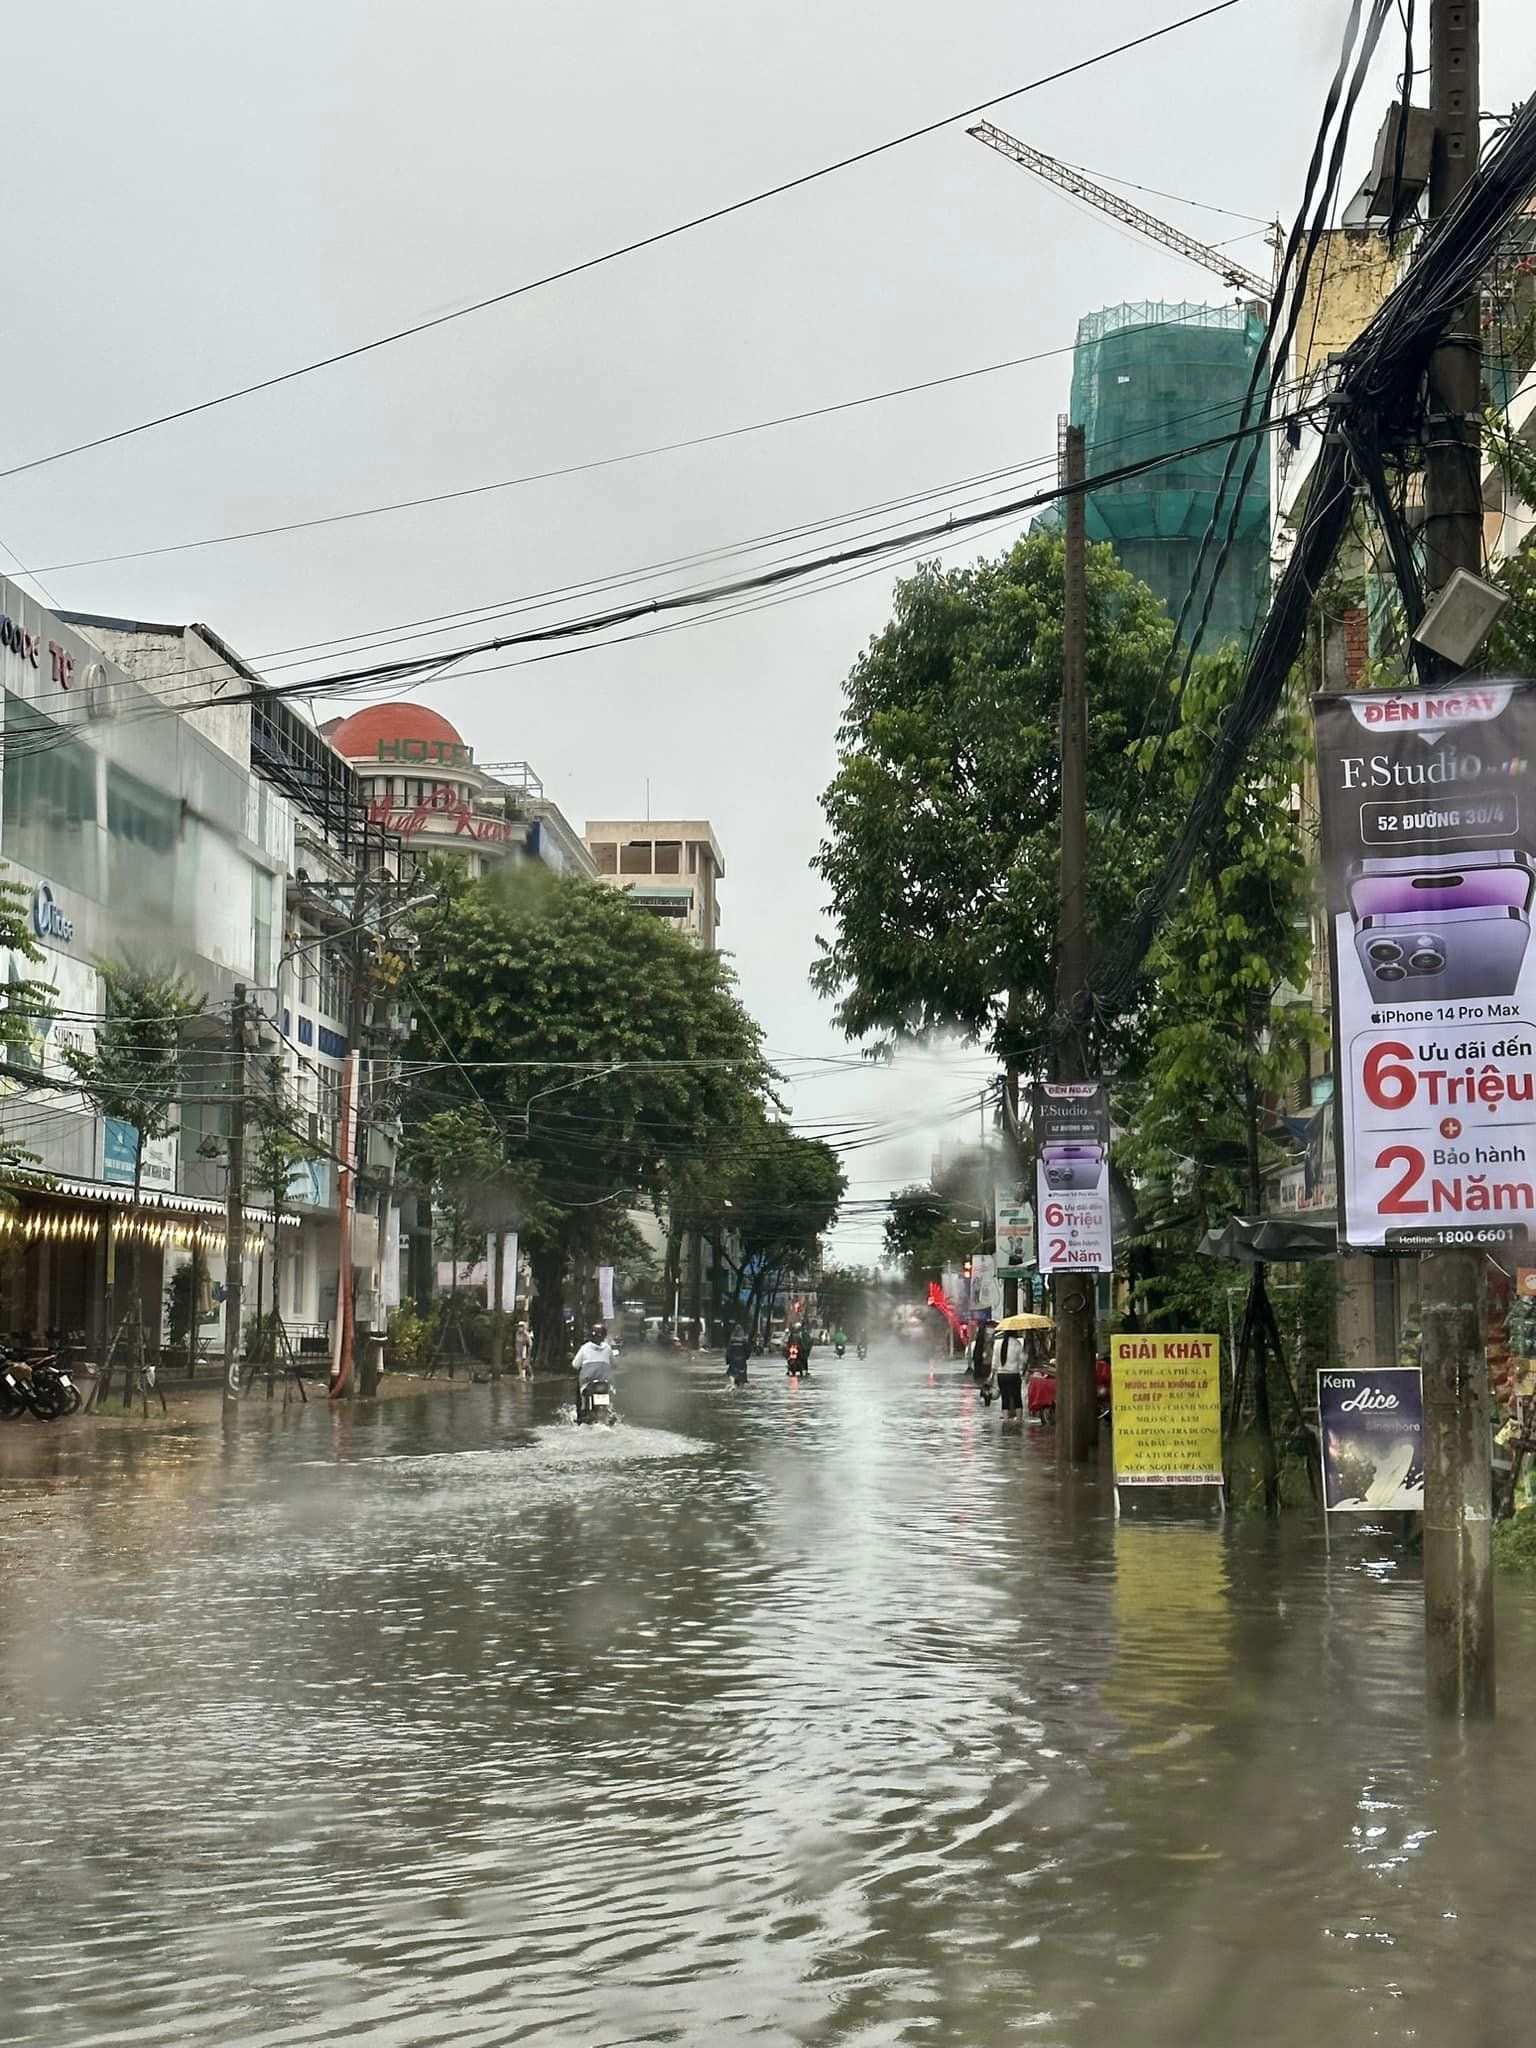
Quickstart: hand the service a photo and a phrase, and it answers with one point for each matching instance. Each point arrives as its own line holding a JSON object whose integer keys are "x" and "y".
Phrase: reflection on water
{"x": 814, "y": 1714}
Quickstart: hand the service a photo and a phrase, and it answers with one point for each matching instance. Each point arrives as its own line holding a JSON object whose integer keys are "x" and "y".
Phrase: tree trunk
{"x": 671, "y": 1279}
{"x": 498, "y": 1277}
{"x": 451, "y": 1325}
{"x": 134, "y": 1367}
{"x": 548, "y": 1309}
{"x": 192, "y": 1298}
{"x": 279, "y": 1188}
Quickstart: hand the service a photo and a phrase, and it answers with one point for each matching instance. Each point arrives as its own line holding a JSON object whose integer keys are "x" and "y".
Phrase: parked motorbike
{"x": 15, "y": 1392}
{"x": 595, "y": 1402}
{"x": 42, "y": 1388}
{"x": 54, "y": 1392}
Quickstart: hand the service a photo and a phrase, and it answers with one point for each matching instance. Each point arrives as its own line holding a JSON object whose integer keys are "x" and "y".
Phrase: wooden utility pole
{"x": 234, "y": 1220}
{"x": 1072, "y": 1294}
{"x": 1458, "y": 1527}
{"x": 1254, "y": 1334}
{"x": 346, "y": 1202}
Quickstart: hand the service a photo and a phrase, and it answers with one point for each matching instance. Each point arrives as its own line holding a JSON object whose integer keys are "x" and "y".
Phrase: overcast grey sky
{"x": 200, "y": 195}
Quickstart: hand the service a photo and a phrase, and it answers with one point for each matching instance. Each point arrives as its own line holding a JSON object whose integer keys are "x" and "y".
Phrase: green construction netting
{"x": 1152, "y": 379}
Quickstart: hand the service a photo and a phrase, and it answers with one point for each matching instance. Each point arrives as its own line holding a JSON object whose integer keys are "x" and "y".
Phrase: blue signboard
{"x": 119, "y": 1149}
{"x": 1373, "y": 1439}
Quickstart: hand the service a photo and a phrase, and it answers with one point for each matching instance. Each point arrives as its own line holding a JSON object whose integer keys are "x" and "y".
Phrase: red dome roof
{"x": 398, "y": 732}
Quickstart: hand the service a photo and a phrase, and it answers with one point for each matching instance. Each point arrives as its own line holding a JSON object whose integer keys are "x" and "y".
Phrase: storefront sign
{"x": 1015, "y": 1235}
{"x": 311, "y": 1184}
{"x": 1072, "y": 1177}
{"x": 445, "y": 810}
{"x": 48, "y": 920}
{"x": 1166, "y": 1394}
{"x": 1429, "y": 847}
{"x": 119, "y": 1149}
{"x": 1373, "y": 1439}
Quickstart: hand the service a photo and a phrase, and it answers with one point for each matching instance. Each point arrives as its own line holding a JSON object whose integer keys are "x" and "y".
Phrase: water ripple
{"x": 822, "y": 1714}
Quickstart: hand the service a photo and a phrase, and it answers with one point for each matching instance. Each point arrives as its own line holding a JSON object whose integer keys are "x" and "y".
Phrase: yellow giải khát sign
{"x": 1166, "y": 1393}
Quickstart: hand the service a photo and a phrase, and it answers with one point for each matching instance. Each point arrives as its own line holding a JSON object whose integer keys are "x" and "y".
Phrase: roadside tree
{"x": 943, "y": 818}
{"x": 608, "y": 1052}
{"x": 133, "y": 1073}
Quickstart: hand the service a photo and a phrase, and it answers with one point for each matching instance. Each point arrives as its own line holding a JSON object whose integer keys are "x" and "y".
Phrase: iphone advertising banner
{"x": 1429, "y": 832}
{"x": 1072, "y": 1177}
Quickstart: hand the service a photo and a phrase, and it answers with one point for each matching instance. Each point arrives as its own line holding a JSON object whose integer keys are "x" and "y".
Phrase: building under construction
{"x": 1152, "y": 379}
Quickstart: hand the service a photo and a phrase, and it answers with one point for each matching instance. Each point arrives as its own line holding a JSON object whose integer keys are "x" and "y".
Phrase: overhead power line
{"x": 588, "y": 263}
{"x": 563, "y": 635}
{"x": 425, "y": 667}
{"x": 974, "y": 489}
{"x": 541, "y": 476}
{"x": 1373, "y": 402}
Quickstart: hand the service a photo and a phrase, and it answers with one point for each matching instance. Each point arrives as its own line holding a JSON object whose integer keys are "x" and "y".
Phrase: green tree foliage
{"x": 784, "y": 1191}
{"x": 1241, "y": 933}
{"x": 943, "y": 818}
{"x": 923, "y": 1235}
{"x": 458, "y": 1157}
{"x": 133, "y": 1073}
{"x": 609, "y": 1052}
{"x": 843, "y": 1297}
{"x": 1512, "y": 648}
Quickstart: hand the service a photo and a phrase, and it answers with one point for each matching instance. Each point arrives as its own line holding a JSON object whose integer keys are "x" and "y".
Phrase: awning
{"x": 153, "y": 1199}
{"x": 1278, "y": 1240}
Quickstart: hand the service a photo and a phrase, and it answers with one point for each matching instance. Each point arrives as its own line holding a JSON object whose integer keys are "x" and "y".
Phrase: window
{"x": 143, "y": 828}
{"x": 49, "y": 800}
{"x": 332, "y": 1001}
{"x": 669, "y": 856}
{"x": 635, "y": 858}
{"x": 261, "y": 923}
{"x": 328, "y": 1089}
{"x": 606, "y": 855}
{"x": 305, "y": 972}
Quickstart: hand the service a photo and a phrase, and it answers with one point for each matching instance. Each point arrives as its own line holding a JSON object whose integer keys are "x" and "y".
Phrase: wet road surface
{"x": 819, "y": 1714}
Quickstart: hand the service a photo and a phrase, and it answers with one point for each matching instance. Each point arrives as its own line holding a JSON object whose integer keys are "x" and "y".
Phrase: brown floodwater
{"x": 815, "y": 1714}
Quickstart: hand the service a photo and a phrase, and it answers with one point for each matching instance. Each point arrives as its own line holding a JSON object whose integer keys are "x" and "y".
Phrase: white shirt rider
{"x": 594, "y": 1361}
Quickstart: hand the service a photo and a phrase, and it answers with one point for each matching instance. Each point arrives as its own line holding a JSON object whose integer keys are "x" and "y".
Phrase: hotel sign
{"x": 444, "y": 810}
{"x": 445, "y": 753}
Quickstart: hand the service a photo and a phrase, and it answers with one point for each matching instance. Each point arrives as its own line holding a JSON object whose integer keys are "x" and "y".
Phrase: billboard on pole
{"x": 1015, "y": 1234}
{"x": 1429, "y": 854}
{"x": 1373, "y": 1439}
{"x": 1072, "y": 1177}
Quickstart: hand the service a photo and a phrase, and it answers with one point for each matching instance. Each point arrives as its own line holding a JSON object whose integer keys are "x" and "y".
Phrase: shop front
{"x": 73, "y": 1257}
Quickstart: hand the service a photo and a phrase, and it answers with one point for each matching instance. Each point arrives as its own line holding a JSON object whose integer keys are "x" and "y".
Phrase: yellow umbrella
{"x": 1013, "y": 1324}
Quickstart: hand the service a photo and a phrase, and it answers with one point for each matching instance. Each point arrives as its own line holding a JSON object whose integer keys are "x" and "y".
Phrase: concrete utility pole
{"x": 1458, "y": 1526}
{"x": 234, "y": 1221}
{"x": 1077, "y": 1407}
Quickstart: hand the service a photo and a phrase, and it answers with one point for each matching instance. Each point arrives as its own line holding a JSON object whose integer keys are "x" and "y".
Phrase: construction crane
{"x": 1122, "y": 210}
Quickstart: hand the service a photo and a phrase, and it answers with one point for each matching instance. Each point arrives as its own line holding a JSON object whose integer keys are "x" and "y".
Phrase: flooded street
{"x": 815, "y": 1714}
